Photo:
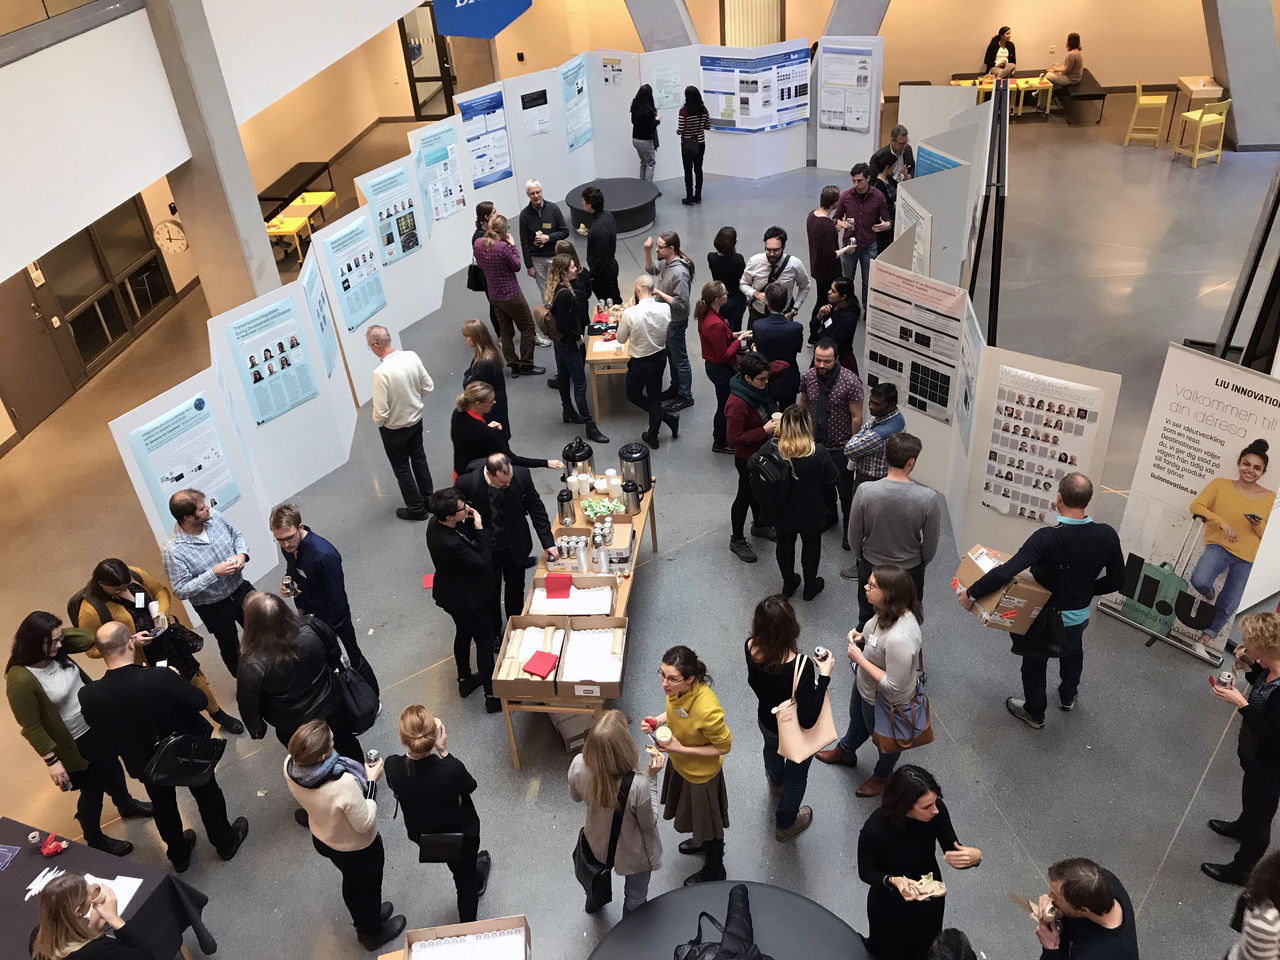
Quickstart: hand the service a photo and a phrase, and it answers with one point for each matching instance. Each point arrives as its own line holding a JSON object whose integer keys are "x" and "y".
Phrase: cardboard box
{"x": 464, "y": 929}
{"x": 580, "y": 580}
{"x": 1015, "y": 606}
{"x": 573, "y": 728}
{"x": 565, "y": 565}
{"x": 522, "y": 687}
{"x": 589, "y": 689}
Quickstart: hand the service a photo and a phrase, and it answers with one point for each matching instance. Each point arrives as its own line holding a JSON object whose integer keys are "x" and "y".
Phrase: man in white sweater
{"x": 400, "y": 382}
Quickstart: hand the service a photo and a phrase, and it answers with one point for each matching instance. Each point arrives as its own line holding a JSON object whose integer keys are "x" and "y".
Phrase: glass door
{"x": 427, "y": 61}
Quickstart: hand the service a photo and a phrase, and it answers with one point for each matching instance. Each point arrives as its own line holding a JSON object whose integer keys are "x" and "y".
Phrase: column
{"x": 855, "y": 18}
{"x": 216, "y": 199}
{"x": 1246, "y": 61}
{"x": 662, "y": 24}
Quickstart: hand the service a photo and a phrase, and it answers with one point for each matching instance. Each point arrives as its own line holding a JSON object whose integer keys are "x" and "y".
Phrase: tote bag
{"x": 797, "y": 743}
{"x": 901, "y": 726}
{"x": 596, "y": 877}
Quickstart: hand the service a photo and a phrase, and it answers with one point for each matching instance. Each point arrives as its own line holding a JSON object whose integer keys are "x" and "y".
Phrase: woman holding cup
{"x": 74, "y": 915}
{"x": 693, "y": 734}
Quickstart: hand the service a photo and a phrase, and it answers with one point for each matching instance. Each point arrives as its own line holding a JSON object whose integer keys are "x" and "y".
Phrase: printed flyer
{"x": 181, "y": 449}
{"x": 272, "y": 361}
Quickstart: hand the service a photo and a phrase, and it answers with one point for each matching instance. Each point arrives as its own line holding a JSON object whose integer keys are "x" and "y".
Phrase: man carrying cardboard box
{"x": 1075, "y": 561}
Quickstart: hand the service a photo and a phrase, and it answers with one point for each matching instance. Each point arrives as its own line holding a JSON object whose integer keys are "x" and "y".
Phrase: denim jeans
{"x": 571, "y": 369}
{"x": 791, "y": 777}
{"x": 862, "y": 721}
{"x": 678, "y": 351}
{"x": 850, "y": 261}
{"x": 719, "y": 374}
{"x": 635, "y": 890}
{"x": 1209, "y": 567}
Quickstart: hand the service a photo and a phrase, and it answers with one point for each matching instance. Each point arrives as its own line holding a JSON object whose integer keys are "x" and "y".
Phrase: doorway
{"x": 429, "y": 65}
{"x": 32, "y": 376}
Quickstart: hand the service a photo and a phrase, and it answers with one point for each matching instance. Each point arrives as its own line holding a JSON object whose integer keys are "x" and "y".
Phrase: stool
{"x": 1141, "y": 103}
{"x": 1210, "y": 115}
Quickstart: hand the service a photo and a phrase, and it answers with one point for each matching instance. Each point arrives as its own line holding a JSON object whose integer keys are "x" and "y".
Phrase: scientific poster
{"x": 1188, "y": 576}
{"x": 535, "y": 112}
{"x": 268, "y": 347}
{"x": 1043, "y": 428}
{"x": 321, "y": 316}
{"x": 971, "y": 344}
{"x": 353, "y": 268}
{"x": 913, "y": 337}
{"x": 668, "y": 90}
{"x": 390, "y": 197}
{"x": 439, "y": 170}
{"x": 909, "y": 213}
{"x": 484, "y": 125}
{"x": 931, "y": 160}
{"x": 181, "y": 449}
{"x": 611, "y": 70}
{"x": 751, "y": 95}
{"x": 577, "y": 103}
{"x": 848, "y": 85}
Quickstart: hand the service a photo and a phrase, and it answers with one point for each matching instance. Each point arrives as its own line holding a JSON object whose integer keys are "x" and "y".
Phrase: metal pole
{"x": 1001, "y": 119}
{"x": 1258, "y": 243}
{"x": 986, "y": 204}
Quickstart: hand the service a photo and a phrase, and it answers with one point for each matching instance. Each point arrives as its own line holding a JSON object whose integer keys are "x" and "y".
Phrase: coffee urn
{"x": 577, "y": 457}
{"x": 633, "y": 465}
{"x": 567, "y": 511}
{"x": 631, "y": 497}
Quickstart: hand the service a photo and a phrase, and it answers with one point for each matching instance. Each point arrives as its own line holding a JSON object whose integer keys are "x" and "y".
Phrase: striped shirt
{"x": 866, "y": 448}
{"x": 693, "y": 126}
{"x": 189, "y": 560}
{"x": 1259, "y": 936}
{"x": 61, "y": 683}
{"x": 501, "y": 264}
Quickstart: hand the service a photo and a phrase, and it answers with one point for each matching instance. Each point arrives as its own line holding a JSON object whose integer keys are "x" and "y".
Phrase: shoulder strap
{"x": 799, "y": 669}
{"x": 624, "y": 788}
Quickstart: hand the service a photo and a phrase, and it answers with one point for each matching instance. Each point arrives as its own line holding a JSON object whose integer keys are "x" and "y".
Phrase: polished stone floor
{"x": 1109, "y": 254}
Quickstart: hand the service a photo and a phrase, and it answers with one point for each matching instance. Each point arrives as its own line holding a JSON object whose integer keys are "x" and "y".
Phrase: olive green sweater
{"x": 35, "y": 712}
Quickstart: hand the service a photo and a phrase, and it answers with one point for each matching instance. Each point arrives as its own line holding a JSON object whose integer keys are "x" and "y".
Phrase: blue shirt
{"x": 316, "y": 570}
{"x": 1073, "y": 618}
{"x": 189, "y": 561}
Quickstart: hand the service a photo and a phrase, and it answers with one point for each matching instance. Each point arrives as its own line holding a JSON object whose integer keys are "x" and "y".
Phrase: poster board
{"x": 575, "y": 97}
{"x": 839, "y": 147}
{"x": 928, "y": 110}
{"x": 483, "y": 113}
{"x": 755, "y": 91}
{"x": 945, "y": 197}
{"x": 547, "y": 158}
{"x": 615, "y": 77}
{"x": 401, "y": 221}
{"x": 670, "y": 71}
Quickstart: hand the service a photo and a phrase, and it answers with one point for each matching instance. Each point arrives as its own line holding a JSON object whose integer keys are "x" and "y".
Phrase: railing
{"x": 28, "y": 26}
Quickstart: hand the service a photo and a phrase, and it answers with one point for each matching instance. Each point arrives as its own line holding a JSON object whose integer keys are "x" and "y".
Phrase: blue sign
{"x": 477, "y": 18}
{"x": 930, "y": 160}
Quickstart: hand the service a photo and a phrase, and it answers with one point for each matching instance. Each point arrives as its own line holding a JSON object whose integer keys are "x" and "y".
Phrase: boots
{"x": 130, "y": 807}
{"x": 569, "y": 415}
{"x": 594, "y": 434}
{"x": 713, "y": 868}
{"x": 94, "y": 837}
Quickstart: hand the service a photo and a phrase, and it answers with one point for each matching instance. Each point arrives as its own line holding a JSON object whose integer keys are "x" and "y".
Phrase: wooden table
{"x": 1034, "y": 84}
{"x": 292, "y": 228}
{"x": 601, "y": 363}
{"x": 580, "y": 705}
{"x": 1021, "y": 85}
{"x": 1196, "y": 88}
{"x": 309, "y": 204}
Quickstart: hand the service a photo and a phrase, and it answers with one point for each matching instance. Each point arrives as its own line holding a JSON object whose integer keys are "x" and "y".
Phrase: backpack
{"x": 737, "y": 933}
{"x": 73, "y": 608}
{"x": 769, "y": 475}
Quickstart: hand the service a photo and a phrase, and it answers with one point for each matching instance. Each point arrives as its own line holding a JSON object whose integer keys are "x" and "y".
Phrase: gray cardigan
{"x": 639, "y": 846}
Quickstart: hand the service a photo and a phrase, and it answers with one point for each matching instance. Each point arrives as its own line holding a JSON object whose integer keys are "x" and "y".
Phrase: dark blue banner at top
{"x": 477, "y": 18}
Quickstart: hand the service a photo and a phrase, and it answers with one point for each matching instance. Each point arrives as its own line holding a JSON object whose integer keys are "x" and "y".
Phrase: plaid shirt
{"x": 866, "y": 450}
{"x": 189, "y": 561}
{"x": 501, "y": 266}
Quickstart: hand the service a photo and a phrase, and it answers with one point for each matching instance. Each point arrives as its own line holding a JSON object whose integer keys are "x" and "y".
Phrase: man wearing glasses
{"x": 775, "y": 265}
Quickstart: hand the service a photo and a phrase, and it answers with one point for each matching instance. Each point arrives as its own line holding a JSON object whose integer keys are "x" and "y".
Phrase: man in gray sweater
{"x": 893, "y": 520}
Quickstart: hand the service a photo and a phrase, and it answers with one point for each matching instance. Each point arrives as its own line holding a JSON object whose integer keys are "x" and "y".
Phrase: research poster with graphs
{"x": 1042, "y": 429}
{"x": 754, "y": 94}
{"x": 1196, "y": 522}
{"x": 440, "y": 172}
{"x": 913, "y": 337}
{"x": 353, "y": 268}
{"x": 391, "y": 196}
{"x": 848, "y": 78}
{"x": 268, "y": 346}
{"x": 484, "y": 125}
{"x": 577, "y": 103}
{"x": 321, "y": 315}
{"x": 180, "y": 449}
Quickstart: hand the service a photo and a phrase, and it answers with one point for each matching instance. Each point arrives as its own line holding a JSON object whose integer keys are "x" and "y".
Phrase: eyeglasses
{"x": 668, "y": 679}
{"x": 769, "y": 249}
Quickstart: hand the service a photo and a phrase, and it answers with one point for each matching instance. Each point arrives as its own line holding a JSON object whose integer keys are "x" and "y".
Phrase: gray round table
{"x": 630, "y": 200}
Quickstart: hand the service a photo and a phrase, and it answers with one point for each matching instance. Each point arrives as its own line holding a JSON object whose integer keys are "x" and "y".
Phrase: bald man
{"x": 400, "y": 381}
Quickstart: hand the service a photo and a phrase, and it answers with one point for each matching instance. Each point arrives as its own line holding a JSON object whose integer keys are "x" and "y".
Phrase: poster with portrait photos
{"x": 1042, "y": 428}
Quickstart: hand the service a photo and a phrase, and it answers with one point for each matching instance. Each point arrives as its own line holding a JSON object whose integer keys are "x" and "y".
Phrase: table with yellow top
{"x": 309, "y": 204}
{"x": 603, "y": 359}
{"x": 291, "y": 228}
{"x": 1196, "y": 88}
{"x": 984, "y": 86}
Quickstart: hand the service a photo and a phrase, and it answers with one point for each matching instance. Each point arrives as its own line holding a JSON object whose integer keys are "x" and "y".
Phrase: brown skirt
{"x": 698, "y": 808}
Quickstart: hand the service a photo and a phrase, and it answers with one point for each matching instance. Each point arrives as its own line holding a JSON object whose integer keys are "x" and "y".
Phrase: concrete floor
{"x": 1109, "y": 254}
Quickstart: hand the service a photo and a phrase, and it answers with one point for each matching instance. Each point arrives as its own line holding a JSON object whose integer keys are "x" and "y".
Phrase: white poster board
{"x": 927, "y": 110}
{"x": 674, "y": 69}
{"x": 576, "y": 100}
{"x": 395, "y": 209}
{"x": 611, "y": 113}
{"x": 438, "y": 167}
{"x": 847, "y": 79}
{"x": 484, "y": 128}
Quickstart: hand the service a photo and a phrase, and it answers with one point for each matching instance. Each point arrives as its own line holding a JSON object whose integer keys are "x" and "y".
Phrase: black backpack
{"x": 73, "y": 608}
{"x": 769, "y": 474}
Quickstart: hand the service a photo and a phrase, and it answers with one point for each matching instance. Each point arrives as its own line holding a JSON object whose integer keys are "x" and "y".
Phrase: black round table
{"x": 785, "y": 924}
{"x": 629, "y": 199}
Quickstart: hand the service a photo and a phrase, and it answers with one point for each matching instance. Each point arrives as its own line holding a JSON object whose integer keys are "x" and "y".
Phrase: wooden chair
{"x": 1144, "y": 102}
{"x": 1210, "y": 115}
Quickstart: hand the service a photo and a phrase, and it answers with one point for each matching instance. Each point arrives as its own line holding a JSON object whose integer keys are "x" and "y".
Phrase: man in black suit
{"x": 461, "y": 550}
{"x": 504, "y": 497}
{"x": 134, "y": 707}
{"x": 777, "y": 337}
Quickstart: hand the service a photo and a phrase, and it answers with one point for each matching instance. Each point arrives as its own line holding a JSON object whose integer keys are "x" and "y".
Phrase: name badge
{"x": 546, "y": 226}
{"x": 139, "y": 600}
{"x": 682, "y": 713}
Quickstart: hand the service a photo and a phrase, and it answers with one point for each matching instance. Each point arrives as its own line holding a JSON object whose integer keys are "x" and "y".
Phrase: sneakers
{"x": 813, "y": 588}
{"x": 541, "y": 339}
{"x": 742, "y": 550}
{"x": 1018, "y": 708}
{"x": 239, "y": 830}
{"x": 849, "y": 573}
{"x": 764, "y": 532}
{"x": 670, "y": 393}
{"x": 803, "y": 819}
{"x": 721, "y": 448}
{"x": 1067, "y": 705}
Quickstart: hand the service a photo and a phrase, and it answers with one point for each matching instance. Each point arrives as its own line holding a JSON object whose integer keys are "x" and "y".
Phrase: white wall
{"x": 181, "y": 266}
{"x": 685, "y": 60}
{"x": 87, "y": 124}
{"x": 611, "y": 115}
{"x": 547, "y": 157}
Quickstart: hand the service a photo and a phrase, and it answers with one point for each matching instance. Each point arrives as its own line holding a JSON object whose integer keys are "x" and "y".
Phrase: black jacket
{"x": 1260, "y": 726}
{"x": 885, "y": 155}
{"x": 777, "y": 338}
{"x": 134, "y": 707}
{"x": 801, "y": 508}
{"x": 566, "y": 310}
{"x": 989, "y": 58}
{"x": 435, "y": 795}
{"x": 473, "y": 440}
{"x": 462, "y": 557}
{"x": 520, "y": 504}
{"x": 602, "y": 243}
{"x": 550, "y": 221}
{"x": 490, "y": 372}
{"x": 1074, "y": 561}
{"x": 287, "y": 695}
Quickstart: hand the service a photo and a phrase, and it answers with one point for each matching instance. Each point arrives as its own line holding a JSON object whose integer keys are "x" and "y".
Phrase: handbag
{"x": 795, "y": 742}
{"x": 184, "y": 760}
{"x": 690, "y": 148}
{"x": 360, "y": 700}
{"x": 737, "y": 934}
{"x": 545, "y": 321}
{"x": 183, "y": 638}
{"x": 901, "y": 726}
{"x": 596, "y": 877}
{"x": 475, "y": 279}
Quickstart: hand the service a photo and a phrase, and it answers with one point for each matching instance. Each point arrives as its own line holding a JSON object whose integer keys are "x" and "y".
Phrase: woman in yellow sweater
{"x": 692, "y": 732}
{"x": 1235, "y": 516}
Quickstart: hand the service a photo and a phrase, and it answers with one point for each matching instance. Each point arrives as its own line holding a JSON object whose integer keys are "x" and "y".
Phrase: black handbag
{"x": 690, "y": 148}
{"x": 183, "y": 638}
{"x": 184, "y": 760}
{"x": 475, "y": 279}
{"x": 596, "y": 877}
{"x": 360, "y": 701}
{"x": 737, "y": 935}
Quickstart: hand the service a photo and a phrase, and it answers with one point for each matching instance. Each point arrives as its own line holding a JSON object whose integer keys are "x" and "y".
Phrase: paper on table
{"x": 123, "y": 887}
{"x": 7, "y": 853}
{"x": 606, "y": 346}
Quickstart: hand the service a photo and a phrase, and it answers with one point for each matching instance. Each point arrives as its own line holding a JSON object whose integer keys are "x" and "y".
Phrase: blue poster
{"x": 321, "y": 315}
{"x": 477, "y": 18}
{"x": 439, "y": 169}
{"x": 353, "y": 268}
{"x": 577, "y": 102}
{"x": 484, "y": 125}
{"x": 929, "y": 160}
{"x": 391, "y": 196}
{"x": 182, "y": 449}
{"x": 271, "y": 356}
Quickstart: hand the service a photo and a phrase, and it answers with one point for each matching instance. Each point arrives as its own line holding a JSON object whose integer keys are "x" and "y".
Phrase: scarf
{"x": 757, "y": 399}
{"x": 822, "y": 411}
{"x": 330, "y": 768}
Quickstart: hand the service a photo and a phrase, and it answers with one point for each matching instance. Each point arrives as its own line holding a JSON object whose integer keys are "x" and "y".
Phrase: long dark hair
{"x": 270, "y": 628}
{"x": 693, "y": 100}
{"x": 29, "y": 641}
{"x": 644, "y": 99}
{"x": 999, "y": 33}
{"x": 906, "y": 785}
{"x": 774, "y": 630}
{"x": 899, "y": 592}
{"x": 687, "y": 662}
{"x": 483, "y": 209}
{"x": 113, "y": 571}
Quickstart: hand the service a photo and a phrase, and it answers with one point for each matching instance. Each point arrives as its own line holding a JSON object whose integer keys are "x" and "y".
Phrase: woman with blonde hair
{"x": 486, "y": 367}
{"x": 497, "y": 256}
{"x": 475, "y": 435}
{"x": 434, "y": 789}
{"x": 799, "y": 511}
{"x": 596, "y": 776}
{"x": 570, "y": 314}
{"x": 73, "y": 918}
